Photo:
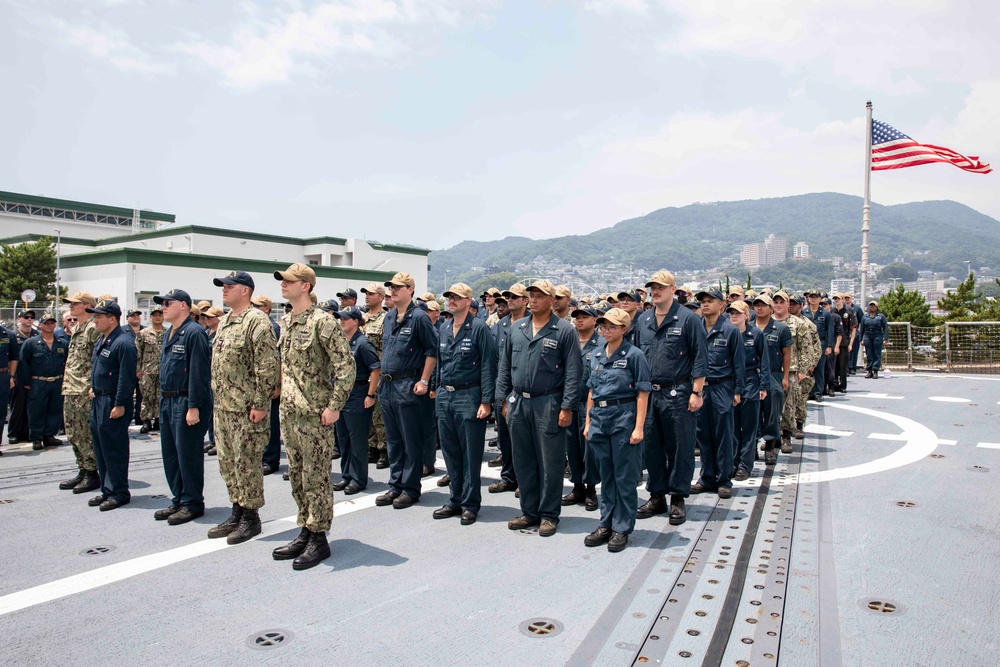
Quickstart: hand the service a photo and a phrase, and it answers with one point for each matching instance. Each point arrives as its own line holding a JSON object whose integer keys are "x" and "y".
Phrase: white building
{"x": 111, "y": 250}
{"x": 842, "y": 285}
{"x": 800, "y": 250}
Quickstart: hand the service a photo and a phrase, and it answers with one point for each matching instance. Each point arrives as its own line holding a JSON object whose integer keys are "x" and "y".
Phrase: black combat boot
{"x": 156, "y": 425}
{"x": 91, "y": 480}
{"x": 798, "y": 432}
{"x": 678, "y": 514}
{"x": 51, "y": 441}
{"x": 577, "y": 496}
{"x": 315, "y": 552}
{"x": 657, "y": 504}
{"x": 147, "y": 426}
{"x": 591, "y": 504}
{"x": 68, "y": 484}
{"x": 383, "y": 460}
{"x": 229, "y": 525}
{"x": 249, "y": 526}
{"x": 294, "y": 548}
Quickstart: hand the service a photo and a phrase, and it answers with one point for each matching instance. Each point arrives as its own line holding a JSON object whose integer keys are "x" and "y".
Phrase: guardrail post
{"x": 947, "y": 347}
{"x": 909, "y": 346}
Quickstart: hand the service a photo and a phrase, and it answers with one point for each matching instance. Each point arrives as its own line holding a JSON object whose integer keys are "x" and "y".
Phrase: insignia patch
{"x": 621, "y": 363}
{"x": 105, "y": 353}
{"x": 772, "y": 338}
{"x": 720, "y": 342}
{"x": 674, "y": 331}
{"x": 405, "y": 331}
{"x": 178, "y": 349}
{"x": 550, "y": 343}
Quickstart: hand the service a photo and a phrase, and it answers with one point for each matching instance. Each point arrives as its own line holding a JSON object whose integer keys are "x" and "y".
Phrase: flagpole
{"x": 866, "y": 211}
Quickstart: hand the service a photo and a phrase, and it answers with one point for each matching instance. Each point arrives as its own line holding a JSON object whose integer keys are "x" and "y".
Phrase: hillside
{"x": 933, "y": 235}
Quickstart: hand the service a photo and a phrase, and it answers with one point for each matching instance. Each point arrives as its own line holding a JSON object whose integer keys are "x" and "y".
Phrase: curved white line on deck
{"x": 920, "y": 442}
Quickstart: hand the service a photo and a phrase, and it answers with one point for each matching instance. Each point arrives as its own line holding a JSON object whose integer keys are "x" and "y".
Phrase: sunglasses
{"x": 72, "y": 319}
{"x": 27, "y": 317}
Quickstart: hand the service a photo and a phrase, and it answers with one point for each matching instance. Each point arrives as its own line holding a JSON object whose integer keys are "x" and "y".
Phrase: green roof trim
{"x": 405, "y": 249}
{"x": 32, "y": 200}
{"x": 223, "y": 264}
{"x": 228, "y": 233}
{"x": 31, "y": 238}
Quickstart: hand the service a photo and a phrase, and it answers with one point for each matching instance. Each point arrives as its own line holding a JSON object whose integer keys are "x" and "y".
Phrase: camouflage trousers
{"x": 805, "y": 387}
{"x": 76, "y": 416}
{"x": 240, "y": 445}
{"x": 793, "y": 398}
{"x": 309, "y": 447}
{"x": 376, "y": 436}
{"x": 149, "y": 385}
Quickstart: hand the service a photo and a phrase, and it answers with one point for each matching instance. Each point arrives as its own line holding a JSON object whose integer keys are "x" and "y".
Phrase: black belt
{"x": 537, "y": 394}
{"x": 663, "y": 385}
{"x": 615, "y": 401}
{"x": 460, "y": 387}
{"x": 173, "y": 394}
{"x": 358, "y": 383}
{"x": 46, "y": 379}
{"x": 389, "y": 377}
{"x": 97, "y": 393}
{"x": 711, "y": 381}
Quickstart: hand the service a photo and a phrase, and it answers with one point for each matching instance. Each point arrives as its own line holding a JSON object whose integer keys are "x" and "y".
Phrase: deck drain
{"x": 99, "y": 550}
{"x": 978, "y": 469}
{"x": 159, "y": 496}
{"x": 541, "y": 627}
{"x": 7, "y": 501}
{"x": 905, "y": 503}
{"x": 881, "y": 606}
{"x": 937, "y": 456}
{"x": 273, "y": 638}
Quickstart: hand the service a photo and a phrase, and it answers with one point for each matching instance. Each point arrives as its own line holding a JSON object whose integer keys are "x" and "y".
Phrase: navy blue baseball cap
{"x": 106, "y": 307}
{"x": 633, "y": 294}
{"x": 173, "y": 295}
{"x": 586, "y": 310}
{"x": 350, "y": 312}
{"x": 348, "y": 293}
{"x": 474, "y": 305}
{"x": 713, "y": 293}
{"x": 330, "y": 305}
{"x": 235, "y": 278}
{"x": 26, "y": 313}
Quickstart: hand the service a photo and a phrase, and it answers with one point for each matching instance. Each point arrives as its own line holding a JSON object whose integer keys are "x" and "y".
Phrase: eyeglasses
{"x": 72, "y": 319}
{"x": 609, "y": 327}
{"x": 396, "y": 287}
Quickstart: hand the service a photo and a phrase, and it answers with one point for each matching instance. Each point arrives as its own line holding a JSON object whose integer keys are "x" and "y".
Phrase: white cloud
{"x": 269, "y": 50}
{"x": 113, "y": 46}
{"x": 608, "y": 6}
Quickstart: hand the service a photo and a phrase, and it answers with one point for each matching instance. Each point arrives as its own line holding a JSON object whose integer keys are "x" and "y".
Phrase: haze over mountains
{"x": 931, "y": 235}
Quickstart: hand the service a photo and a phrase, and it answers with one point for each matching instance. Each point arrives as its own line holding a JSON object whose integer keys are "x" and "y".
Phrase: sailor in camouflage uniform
{"x": 374, "y": 295}
{"x": 801, "y": 361}
{"x": 805, "y": 387}
{"x": 244, "y": 377}
{"x": 148, "y": 346}
{"x": 317, "y": 375}
{"x": 76, "y": 390}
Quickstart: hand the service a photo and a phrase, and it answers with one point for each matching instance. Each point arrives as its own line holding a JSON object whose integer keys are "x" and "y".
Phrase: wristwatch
{"x": 371, "y": 395}
{"x": 697, "y": 393}
{"x": 424, "y": 382}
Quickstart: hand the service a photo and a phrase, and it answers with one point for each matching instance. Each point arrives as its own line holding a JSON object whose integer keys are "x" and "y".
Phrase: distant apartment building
{"x": 837, "y": 262}
{"x": 800, "y": 250}
{"x": 771, "y": 251}
{"x": 927, "y": 287}
{"x": 842, "y": 285}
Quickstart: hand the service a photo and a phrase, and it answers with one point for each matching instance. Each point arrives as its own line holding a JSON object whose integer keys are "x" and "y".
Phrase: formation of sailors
{"x": 613, "y": 390}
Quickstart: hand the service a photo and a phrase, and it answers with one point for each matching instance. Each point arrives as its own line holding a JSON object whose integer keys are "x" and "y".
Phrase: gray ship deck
{"x": 873, "y": 543}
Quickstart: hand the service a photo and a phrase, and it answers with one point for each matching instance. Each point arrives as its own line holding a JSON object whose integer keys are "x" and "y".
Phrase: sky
{"x": 429, "y": 122}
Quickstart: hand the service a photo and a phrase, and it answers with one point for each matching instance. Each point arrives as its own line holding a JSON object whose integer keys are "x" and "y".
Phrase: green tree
{"x": 28, "y": 266}
{"x": 963, "y": 303}
{"x": 899, "y": 271}
{"x": 902, "y": 305}
{"x": 749, "y": 284}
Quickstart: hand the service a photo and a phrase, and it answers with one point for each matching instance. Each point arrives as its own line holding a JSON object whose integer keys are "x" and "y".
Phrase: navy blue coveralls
{"x": 405, "y": 346}
{"x": 18, "y": 429}
{"x": 757, "y": 373}
{"x": 466, "y": 377}
{"x": 10, "y": 350}
{"x": 430, "y": 407}
{"x": 859, "y": 313}
{"x": 582, "y": 466}
{"x": 356, "y": 421}
{"x": 210, "y": 412}
{"x": 676, "y": 350}
{"x": 272, "y": 453}
{"x": 874, "y": 329}
{"x": 778, "y": 336}
{"x": 41, "y": 370}
{"x": 826, "y": 330}
{"x": 726, "y": 377}
{"x": 614, "y": 383}
{"x": 539, "y": 375}
{"x": 112, "y": 379}
{"x": 831, "y": 359}
{"x": 128, "y": 331}
{"x": 501, "y": 330}
{"x": 185, "y": 382}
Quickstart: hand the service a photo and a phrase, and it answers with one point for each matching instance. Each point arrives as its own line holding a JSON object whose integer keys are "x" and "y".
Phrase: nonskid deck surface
{"x": 874, "y": 543}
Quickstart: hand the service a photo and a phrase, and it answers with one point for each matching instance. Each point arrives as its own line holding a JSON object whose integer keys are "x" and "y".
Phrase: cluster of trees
{"x": 965, "y": 303}
{"x": 28, "y": 266}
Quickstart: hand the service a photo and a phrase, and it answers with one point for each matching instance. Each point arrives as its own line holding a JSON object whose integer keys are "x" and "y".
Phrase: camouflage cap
{"x": 81, "y": 297}
{"x": 664, "y": 278}
{"x": 615, "y": 316}
{"x": 297, "y": 273}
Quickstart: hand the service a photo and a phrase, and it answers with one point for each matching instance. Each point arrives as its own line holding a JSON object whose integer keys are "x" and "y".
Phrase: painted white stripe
{"x": 950, "y": 443}
{"x": 873, "y": 394}
{"x": 825, "y": 429}
{"x": 989, "y": 445}
{"x": 948, "y": 399}
{"x": 888, "y": 436}
{"x": 102, "y": 576}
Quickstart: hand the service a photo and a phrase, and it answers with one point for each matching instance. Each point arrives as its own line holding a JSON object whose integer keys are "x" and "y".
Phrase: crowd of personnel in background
{"x": 609, "y": 390}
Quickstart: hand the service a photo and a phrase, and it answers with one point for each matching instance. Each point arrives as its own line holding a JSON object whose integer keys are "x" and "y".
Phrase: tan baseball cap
{"x": 735, "y": 289}
{"x": 563, "y": 291}
{"x": 780, "y": 294}
{"x": 204, "y": 304}
{"x": 664, "y": 278}
{"x": 106, "y": 297}
{"x": 615, "y": 316}
{"x": 374, "y": 288}
{"x": 195, "y": 311}
{"x": 214, "y": 311}
{"x": 433, "y": 305}
{"x": 739, "y": 307}
{"x": 297, "y": 273}
{"x": 751, "y": 293}
{"x": 763, "y": 298}
{"x": 517, "y": 289}
{"x": 402, "y": 279}
{"x": 459, "y": 290}
{"x": 426, "y": 296}
{"x": 261, "y": 300}
{"x": 543, "y": 286}
{"x": 81, "y": 297}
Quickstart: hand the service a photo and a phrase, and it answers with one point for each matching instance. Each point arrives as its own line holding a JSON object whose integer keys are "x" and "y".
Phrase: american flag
{"x": 891, "y": 149}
